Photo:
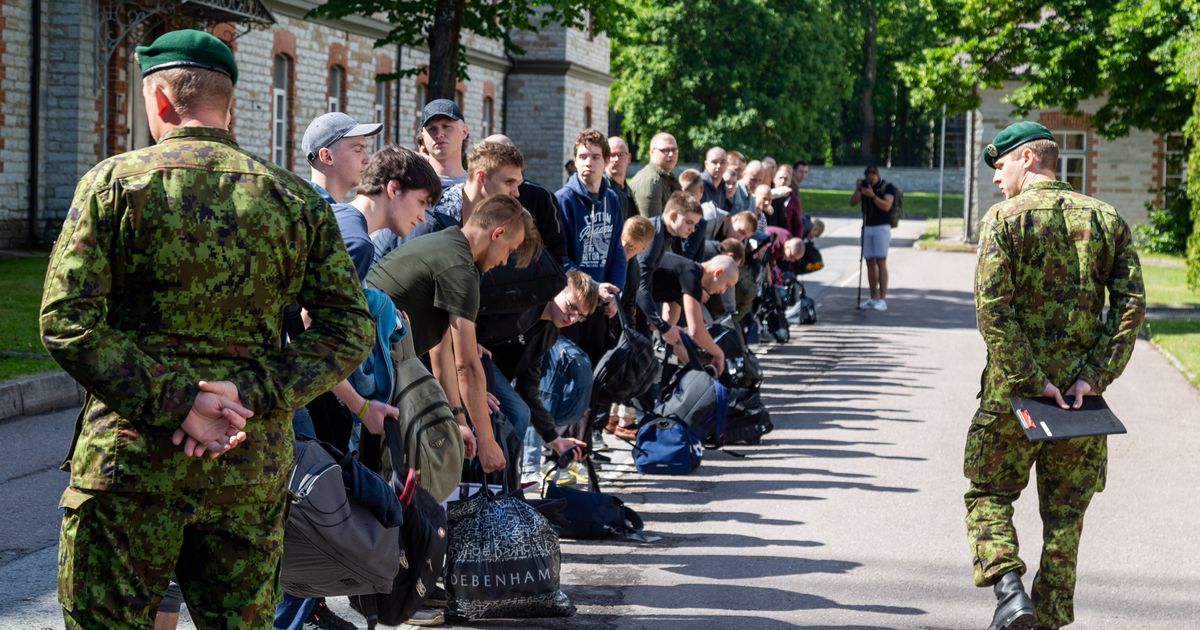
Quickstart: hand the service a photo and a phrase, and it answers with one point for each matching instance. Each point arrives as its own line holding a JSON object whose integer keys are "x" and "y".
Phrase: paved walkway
{"x": 850, "y": 514}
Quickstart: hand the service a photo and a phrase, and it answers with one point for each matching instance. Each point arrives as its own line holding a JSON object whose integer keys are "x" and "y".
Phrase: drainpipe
{"x": 396, "y": 98}
{"x": 35, "y": 84}
{"x": 512, "y": 67}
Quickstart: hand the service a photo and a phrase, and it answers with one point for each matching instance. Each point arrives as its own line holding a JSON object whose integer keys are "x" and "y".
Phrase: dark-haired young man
{"x": 877, "y": 197}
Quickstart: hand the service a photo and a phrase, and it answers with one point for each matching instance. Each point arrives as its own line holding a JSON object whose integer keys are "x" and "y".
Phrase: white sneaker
{"x": 867, "y": 304}
{"x": 881, "y": 305}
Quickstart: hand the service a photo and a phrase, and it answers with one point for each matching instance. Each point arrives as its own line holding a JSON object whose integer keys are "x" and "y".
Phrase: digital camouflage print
{"x": 1048, "y": 259}
{"x": 174, "y": 266}
{"x": 118, "y": 551}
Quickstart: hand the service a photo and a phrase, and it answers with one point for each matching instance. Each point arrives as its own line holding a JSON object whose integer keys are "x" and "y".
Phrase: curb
{"x": 39, "y": 393}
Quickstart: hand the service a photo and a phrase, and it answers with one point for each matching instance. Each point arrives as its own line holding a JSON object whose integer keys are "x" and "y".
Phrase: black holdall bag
{"x": 896, "y": 212}
{"x": 627, "y": 370}
{"x": 423, "y": 544}
{"x": 748, "y": 419}
{"x": 742, "y": 368}
{"x": 589, "y": 515}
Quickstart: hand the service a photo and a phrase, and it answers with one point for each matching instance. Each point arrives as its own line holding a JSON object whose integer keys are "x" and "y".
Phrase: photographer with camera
{"x": 876, "y": 196}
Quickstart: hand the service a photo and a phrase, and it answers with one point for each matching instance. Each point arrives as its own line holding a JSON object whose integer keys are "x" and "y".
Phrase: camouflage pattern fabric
{"x": 1048, "y": 258}
{"x": 118, "y": 550}
{"x": 174, "y": 265}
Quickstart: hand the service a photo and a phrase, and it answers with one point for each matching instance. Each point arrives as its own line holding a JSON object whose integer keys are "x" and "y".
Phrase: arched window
{"x": 587, "y": 117}
{"x": 422, "y": 98}
{"x": 337, "y": 89}
{"x": 487, "y": 127}
{"x": 381, "y": 108}
{"x": 281, "y": 121}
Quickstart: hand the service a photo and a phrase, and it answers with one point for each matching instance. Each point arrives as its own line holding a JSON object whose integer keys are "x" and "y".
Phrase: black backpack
{"x": 897, "y": 211}
{"x": 748, "y": 419}
{"x": 422, "y": 542}
{"x": 509, "y": 289}
{"x": 627, "y": 370}
{"x": 742, "y": 368}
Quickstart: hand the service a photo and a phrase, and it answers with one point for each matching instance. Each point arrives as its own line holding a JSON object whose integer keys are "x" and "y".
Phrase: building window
{"x": 381, "y": 108}
{"x": 422, "y": 98}
{"x": 337, "y": 89}
{"x": 587, "y": 117}
{"x": 590, "y": 27}
{"x": 1174, "y": 160}
{"x": 489, "y": 116}
{"x": 1072, "y": 158}
{"x": 460, "y": 99}
{"x": 281, "y": 123}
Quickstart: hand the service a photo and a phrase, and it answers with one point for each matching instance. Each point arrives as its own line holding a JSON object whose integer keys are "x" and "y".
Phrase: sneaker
{"x": 437, "y": 598}
{"x": 322, "y": 618}
{"x": 881, "y": 305}
{"x": 426, "y": 617}
{"x": 867, "y": 304}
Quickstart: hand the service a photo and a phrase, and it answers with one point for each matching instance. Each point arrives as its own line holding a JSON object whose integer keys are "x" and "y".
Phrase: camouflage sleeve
{"x": 338, "y": 340}
{"x": 1010, "y": 354}
{"x": 74, "y": 327}
{"x": 1127, "y": 310}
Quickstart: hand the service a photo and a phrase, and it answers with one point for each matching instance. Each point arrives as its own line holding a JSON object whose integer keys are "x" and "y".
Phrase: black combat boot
{"x": 1014, "y": 609}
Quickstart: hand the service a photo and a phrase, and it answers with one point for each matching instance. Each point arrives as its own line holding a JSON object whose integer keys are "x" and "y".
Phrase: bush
{"x": 1168, "y": 227}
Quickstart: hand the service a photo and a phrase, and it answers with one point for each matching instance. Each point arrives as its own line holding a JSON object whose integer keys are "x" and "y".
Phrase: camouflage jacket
{"x": 1046, "y": 259}
{"x": 174, "y": 266}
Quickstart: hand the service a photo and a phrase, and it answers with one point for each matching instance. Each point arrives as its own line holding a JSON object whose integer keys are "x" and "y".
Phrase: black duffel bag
{"x": 626, "y": 371}
{"x": 588, "y": 515}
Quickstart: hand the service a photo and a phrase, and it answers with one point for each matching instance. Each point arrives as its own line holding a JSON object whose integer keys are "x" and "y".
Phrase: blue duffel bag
{"x": 666, "y": 446}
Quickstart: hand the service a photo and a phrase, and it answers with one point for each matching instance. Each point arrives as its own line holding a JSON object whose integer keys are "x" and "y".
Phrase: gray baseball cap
{"x": 327, "y": 129}
{"x": 440, "y": 107}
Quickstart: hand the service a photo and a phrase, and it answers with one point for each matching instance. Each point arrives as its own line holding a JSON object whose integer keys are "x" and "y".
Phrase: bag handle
{"x": 404, "y": 479}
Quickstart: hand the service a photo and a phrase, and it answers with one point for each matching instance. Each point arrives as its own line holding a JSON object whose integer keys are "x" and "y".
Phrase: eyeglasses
{"x": 671, "y": 151}
{"x": 574, "y": 313}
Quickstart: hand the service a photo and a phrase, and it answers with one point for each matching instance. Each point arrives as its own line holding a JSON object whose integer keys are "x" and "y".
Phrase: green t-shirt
{"x": 430, "y": 278}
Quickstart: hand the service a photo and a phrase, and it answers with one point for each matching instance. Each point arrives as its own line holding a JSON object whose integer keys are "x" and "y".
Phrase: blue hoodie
{"x": 592, "y": 231}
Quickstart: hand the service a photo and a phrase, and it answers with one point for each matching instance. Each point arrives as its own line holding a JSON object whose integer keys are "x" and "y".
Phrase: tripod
{"x": 862, "y": 234}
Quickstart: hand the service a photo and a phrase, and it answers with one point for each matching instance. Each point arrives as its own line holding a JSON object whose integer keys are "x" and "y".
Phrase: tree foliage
{"x": 438, "y": 24}
{"x": 1139, "y": 56}
{"x": 762, "y": 77}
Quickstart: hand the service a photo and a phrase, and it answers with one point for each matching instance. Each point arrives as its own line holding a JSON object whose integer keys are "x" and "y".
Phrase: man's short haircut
{"x": 794, "y": 244}
{"x": 585, "y": 287}
{"x": 724, "y": 262}
{"x": 751, "y": 166}
{"x": 191, "y": 89}
{"x": 735, "y": 154}
{"x": 589, "y": 137}
{"x": 735, "y": 250}
{"x": 1046, "y": 152}
{"x": 689, "y": 180}
{"x": 505, "y": 211}
{"x": 405, "y": 166}
{"x": 638, "y": 230}
{"x": 798, "y": 163}
{"x": 682, "y": 202}
{"x": 871, "y": 169}
{"x": 745, "y": 217}
{"x": 490, "y": 157}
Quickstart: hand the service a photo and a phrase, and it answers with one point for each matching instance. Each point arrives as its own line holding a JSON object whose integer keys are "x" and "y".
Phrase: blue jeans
{"x": 513, "y": 406}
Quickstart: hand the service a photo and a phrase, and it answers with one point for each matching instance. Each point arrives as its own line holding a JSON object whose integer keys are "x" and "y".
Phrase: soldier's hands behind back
{"x": 1050, "y": 391}
{"x": 215, "y": 421}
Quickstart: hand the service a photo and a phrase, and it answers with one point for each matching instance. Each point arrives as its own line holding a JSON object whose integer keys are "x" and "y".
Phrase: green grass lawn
{"x": 917, "y": 205}
{"x": 1181, "y": 338}
{"x": 21, "y": 349}
{"x": 1167, "y": 284}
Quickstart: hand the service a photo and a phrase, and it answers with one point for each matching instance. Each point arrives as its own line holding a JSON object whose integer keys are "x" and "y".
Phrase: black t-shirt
{"x": 872, "y": 215}
{"x": 675, "y": 277}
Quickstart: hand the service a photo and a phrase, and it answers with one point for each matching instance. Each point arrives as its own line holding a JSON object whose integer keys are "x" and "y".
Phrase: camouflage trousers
{"x": 117, "y": 552}
{"x": 997, "y": 462}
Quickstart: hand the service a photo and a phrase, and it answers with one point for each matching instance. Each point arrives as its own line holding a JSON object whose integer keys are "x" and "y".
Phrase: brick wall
{"x": 536, "y": 111}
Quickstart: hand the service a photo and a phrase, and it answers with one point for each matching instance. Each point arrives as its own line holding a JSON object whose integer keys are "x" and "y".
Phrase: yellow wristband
{"x": 366, "y": 405}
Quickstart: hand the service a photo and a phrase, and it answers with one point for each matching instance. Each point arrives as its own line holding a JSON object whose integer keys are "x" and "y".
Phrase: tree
{"x": 757, "y": 76}
{"x": 1139, "y": 55}
{"x": 439, "y": 23}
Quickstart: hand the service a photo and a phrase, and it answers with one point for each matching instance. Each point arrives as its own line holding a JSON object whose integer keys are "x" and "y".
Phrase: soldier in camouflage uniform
{"x": 173, "y": 267}
{"x": 1047, "y": 257}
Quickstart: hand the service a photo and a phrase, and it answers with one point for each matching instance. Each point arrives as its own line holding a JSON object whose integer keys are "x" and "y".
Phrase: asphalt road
{"x": 850, "y": 514}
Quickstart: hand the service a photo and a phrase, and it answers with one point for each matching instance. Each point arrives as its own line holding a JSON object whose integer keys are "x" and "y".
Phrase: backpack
{"x": 624, "y": 372}
{"x": 748, "y": 419}
{"x": 742, "y": 368}
{"x": 422, "y": 544}
{"x": 665, "y": 445}
{"x": 430, "y": 436}
{"x": 695, "y": 397}
{"x": 897, "y": 211}
{"x": 566, "y": 385}
{"x": 336, "y": 543}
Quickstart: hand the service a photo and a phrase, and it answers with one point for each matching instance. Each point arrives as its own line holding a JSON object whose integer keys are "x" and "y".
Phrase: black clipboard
{"x": 1043, "y": 420}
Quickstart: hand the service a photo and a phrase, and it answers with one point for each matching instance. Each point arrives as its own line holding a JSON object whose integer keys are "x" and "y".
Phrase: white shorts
{"x": 876, "y": 239}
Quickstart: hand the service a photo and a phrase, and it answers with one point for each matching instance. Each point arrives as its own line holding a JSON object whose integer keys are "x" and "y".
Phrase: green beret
{"x": 1012, "y": 137}
{"x": 187, "y": 48}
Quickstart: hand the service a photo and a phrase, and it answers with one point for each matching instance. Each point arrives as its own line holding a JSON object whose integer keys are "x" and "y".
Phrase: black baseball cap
{"x": 440, "y": 107}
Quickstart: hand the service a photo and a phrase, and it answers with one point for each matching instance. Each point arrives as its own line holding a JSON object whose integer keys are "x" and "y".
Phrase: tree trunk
{"x": 444, "y": 36}
{"x": 866, "y": 99}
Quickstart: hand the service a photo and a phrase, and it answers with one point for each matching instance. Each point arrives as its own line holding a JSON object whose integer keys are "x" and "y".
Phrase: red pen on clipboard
{"x": 1026, "y": 419}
